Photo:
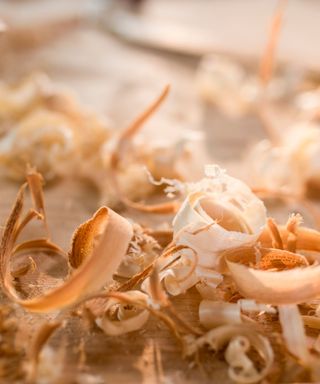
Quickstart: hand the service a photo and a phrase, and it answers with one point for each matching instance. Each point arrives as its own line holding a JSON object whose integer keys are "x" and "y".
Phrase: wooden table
{"x": 119, "y": 80}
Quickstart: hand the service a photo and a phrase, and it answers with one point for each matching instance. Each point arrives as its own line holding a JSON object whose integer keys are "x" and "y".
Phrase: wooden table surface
{"x": 117, "y": 80}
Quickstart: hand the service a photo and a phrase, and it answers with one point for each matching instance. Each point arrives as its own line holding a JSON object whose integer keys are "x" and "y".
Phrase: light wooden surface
{"x": 118, "y": 80}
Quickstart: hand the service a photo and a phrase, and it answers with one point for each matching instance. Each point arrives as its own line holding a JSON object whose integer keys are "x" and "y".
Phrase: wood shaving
{"x": 280, "y": 276}
{"x": 50, "y": 130}
{"x": 255, "y": 283}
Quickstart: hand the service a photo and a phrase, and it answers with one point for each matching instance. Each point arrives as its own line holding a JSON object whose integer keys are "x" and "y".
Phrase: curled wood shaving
{"x": 8, "y": 238}
{"x": 94, "y": 272}
{"x": 266, "y": 65}
{"x": 177, "y": 270}
{"x": 274, "y": 232}
{"x": 153, "y": 309}
{"x": 174, "y": 281}
{"x": 122, "y": 145}
{"x": 128, "y": 317}
{"x": 219, "y": 213}
{"x": 35, "y": 182}
{"x": 241, "y": 368}
{"x": 153, "y": 304}
{"x": 136, "y": 279}
{"x": 295, "y": 337}
{"x": 159, "y": 299}
{"x": 272, "y": 266}
{"x": 142, "y": 251}
{"x": 182, "y": 274}
{"x": 292, "y": 227}
{"x": 221, "y": 336}
{"x": 39, "y": 244}
{"x": 306, "y": 239}
{"x": 291, "y": 286}
{"x": 127, "y": 134}
{"x": 164, "y": 260}
{"x": 185, "y": 273}
{"x": 157, "y": 293}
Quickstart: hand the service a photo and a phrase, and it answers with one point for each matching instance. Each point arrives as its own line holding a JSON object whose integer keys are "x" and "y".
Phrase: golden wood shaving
{"x": 156, "y": 290}
{"x": 274, "y": 232}
{"x": 8, "y": 238}
{"x": 39, "y": 244}
{"x": 306, "y": 239}
{"x": 292, "y": 227}
{"x": 128, "y": 318}
{"x": 267, "y": 62}
{"x": 291, "y": 286}
{"x": 293, "y": 332}
{"x": 87, "y": 279}
{"x": 143, "y": 250}
{"x": 127, "y": 134}
{"x": 221, "y": 336}
{"x": 122, "y": 145}
{"x": 96, "y": 271}
{"x": 35, "y": 182}
{"x": 281, "y": 276}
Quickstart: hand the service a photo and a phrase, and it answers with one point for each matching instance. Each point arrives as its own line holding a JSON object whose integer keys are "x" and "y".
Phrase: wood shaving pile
{"x": 250, "y": 273}
{"x": 256, "y": 282}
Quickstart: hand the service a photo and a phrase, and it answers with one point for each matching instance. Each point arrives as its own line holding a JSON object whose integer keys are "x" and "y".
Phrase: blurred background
{"x": 117, "y": 55}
